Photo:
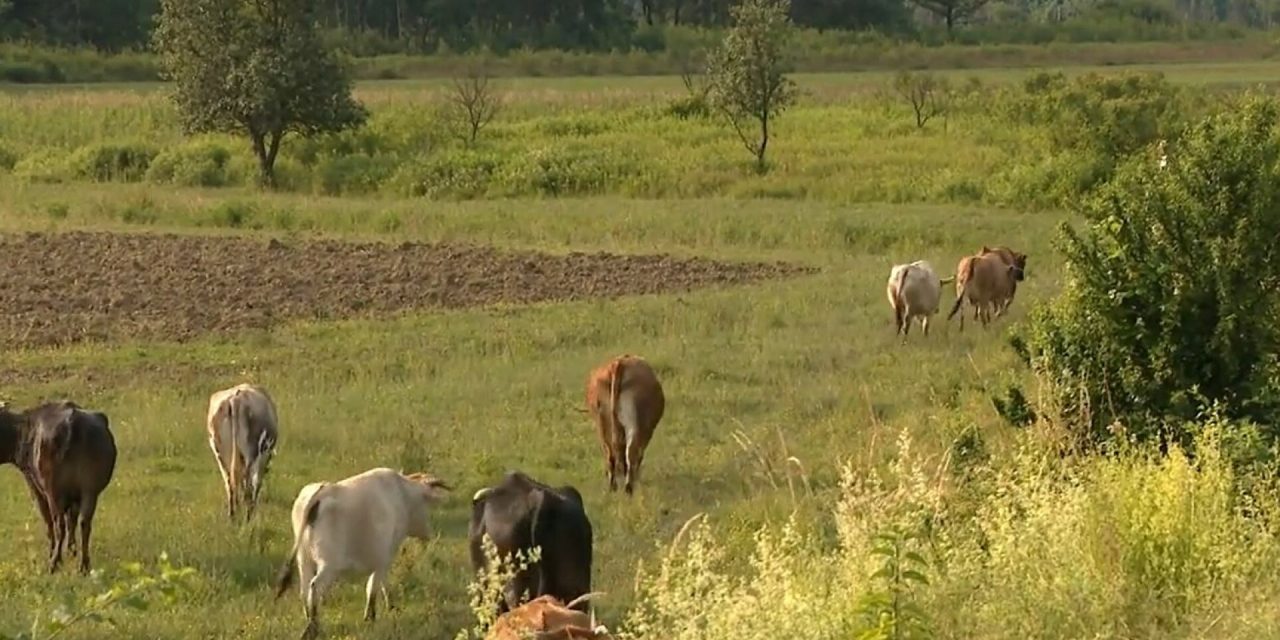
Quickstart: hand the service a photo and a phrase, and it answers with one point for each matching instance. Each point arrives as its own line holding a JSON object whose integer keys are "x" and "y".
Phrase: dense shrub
{"x": 353, "y": 174}
{"x": 107, "y": 162}
{"x": 195, "y": 164}
{"x": 456, "y": 174}
{"x": 1171, "y": 296}
{"x": 46, "y": 165}
{"x": 569, "y": 170}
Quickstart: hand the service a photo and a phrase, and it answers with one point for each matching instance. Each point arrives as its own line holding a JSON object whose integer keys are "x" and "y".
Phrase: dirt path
{"x": 71, "y": 287}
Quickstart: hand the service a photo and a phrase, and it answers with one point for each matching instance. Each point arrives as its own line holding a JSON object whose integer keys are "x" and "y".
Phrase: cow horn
{"x": 584, "y": 598}
{"x": 479, "y": 495}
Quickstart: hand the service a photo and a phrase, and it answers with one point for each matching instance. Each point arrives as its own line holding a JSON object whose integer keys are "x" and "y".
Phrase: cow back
{"x": 71, "y": 445}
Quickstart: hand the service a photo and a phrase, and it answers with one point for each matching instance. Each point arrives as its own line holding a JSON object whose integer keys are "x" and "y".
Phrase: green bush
{"x": 570, "y": 170}
{"x": 46, "y": 165}
{"x": 109, "y": 162}
{"x": 1172, "y": 290}
{"x": 354, "y": 174}
{"x": 456, "y": 174}
{"x": 195, "y": 164}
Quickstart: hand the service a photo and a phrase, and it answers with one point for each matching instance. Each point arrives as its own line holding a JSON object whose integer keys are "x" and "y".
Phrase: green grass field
{"x": 808, "y": 367}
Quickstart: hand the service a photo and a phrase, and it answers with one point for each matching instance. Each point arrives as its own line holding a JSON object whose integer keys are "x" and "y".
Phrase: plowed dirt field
{"x": 70, "y": 287}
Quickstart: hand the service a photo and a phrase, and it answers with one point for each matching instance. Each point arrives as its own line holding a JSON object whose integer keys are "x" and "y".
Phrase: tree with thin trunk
{"x": 473, "y": 101}
{"x": 951, "y": 11}
{"x": 748, "y": 83}
{"x": 256, "y": 68}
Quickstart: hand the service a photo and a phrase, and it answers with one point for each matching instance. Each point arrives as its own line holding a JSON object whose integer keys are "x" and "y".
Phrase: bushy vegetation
{"x": 1141, "y": 545}
{"x": 1170, "y": 303}
{"x": 994, "y": 143}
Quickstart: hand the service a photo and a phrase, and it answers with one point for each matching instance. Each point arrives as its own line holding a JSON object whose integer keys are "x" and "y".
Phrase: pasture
{"x": 766, "y": 317}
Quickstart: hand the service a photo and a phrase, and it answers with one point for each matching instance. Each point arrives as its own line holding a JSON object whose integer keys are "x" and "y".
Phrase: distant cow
{"x": 355, "y": 526}
{"x": 546, "y": 618}
{"x": 520, "y": 513}
{"x": 1010, "y": 257}
{"x": 67, "y": 456}
{"x": 985, "y": 281}
{"x": 914, "y": 292}
{"x": 626, "y": 401}
{"x": 242, "y": 426}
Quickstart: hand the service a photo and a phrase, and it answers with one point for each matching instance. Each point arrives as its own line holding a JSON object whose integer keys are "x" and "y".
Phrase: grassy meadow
{"x": 1024, "y": 544}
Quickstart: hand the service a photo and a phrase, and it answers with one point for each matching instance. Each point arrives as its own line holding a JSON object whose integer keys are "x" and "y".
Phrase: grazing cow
{"x": 546, "y": 618}
{"x": 986, "y": 281}
{"x": 914, "y": 291}
{"x": 243, "y": 428}
{"x": 520, "y": 513}
{"x": 67, "y": 456}
{"x": 355, "y": 525}
{"x": 1010, "y": 257}
{"x": 626, "y": 401}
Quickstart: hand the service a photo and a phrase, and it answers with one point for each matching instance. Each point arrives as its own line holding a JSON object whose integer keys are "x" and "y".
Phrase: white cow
{"x": 914, "y": 291}
{"x": 243, "y": 426}
{"x": 355, "y": 526}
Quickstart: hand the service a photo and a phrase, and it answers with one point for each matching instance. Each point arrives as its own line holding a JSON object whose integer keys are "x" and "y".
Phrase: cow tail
{"x": 615, "y": 387}
{"x": 963, "y": 274}
{"x": 233, "y": 428}
{"x": 285, "y": 577}
{"x": 533, "y": 542}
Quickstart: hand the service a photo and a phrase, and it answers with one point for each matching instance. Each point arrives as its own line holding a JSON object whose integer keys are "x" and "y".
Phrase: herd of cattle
{"x": 67, "y": 455}
{"x": 988, "y": 280}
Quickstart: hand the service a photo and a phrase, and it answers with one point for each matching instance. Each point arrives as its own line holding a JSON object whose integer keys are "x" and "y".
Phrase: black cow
{"x": 67, "y": 456}
{"x": 521, "y": 513}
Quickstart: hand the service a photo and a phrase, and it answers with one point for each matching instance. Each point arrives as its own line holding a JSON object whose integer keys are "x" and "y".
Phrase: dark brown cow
{"x": 626, "y": 401}
{"x": 67, "y": 456}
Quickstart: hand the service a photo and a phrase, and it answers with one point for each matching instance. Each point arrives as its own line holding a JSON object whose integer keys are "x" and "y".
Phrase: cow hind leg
{"x": 629, "y": 419}
{"x": 226, "y": 477}
{"x": 86, "y": 529}
{"x": 377, "y": 582}
{"x": 73, "y": 521}
{"x": 316, "y": 589}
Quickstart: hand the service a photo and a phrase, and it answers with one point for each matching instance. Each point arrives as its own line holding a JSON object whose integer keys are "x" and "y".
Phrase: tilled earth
{"x": 71, "y": 287}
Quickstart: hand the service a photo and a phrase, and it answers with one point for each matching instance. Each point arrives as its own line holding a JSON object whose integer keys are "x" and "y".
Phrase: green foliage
{"x": 137, "y": 591}
{"x": 201, "y": 163}
{"x": 106, "y": 162}
{"x": 748, "y": 83}
{"x": 255, "y": 68}
{"x": 1013, "y": 407}
{"x": 892, "y": 613}
{"x": 488, "y": 586}
{"x": 1171, "y": 296}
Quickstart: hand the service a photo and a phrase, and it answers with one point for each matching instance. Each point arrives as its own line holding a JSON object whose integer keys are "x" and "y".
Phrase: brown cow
{"x": 546, "y": 618}
{"x": 986, "y": 281}
{"x": 67, "y": 456}
{"x": 626, "y": 401}
{"x": 1010, "y": 257}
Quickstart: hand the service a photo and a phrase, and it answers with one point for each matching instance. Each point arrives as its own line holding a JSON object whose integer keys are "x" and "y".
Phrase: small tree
{"x": 1173, "y": 289}
{"x": 254, "y": 67}
{"x": 926, "y": 93}
{"x": 951, "y": 11}
{"x": 473, "y": 102}
{"x": 747, "y": 79}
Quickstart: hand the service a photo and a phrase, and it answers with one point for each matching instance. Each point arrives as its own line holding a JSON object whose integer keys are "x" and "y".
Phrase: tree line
{"x": 425, "y": 26}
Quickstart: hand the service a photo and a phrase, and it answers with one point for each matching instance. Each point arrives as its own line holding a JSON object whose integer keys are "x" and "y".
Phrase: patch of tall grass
{"x": 1135, "y": 545}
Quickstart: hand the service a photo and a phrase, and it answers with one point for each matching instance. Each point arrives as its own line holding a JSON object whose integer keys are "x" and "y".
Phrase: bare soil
{"x": 65, "y": 288}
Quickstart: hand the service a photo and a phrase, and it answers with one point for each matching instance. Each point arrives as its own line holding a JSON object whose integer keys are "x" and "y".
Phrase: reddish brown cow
{"x": 986, "y": 281}
{"x": 67, "y": 456}
{"x": 1009, "y": 257}
{"x": 546, "y": 618}
{"x": 626, "y": 401}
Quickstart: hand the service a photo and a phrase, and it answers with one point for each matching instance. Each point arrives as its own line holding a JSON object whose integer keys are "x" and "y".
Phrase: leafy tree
{"x": 1173, "y": 289}
{"x": 254, "y": 67}
{"x": 747, "y": 81}
{"x": 951, "y": 11}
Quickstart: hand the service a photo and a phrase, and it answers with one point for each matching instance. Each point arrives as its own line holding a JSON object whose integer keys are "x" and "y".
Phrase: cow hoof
{"x": 311, "y": 631}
